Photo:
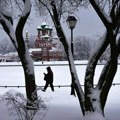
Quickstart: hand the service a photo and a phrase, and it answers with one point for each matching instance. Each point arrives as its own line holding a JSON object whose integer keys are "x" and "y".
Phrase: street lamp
{"x": 71, "y": 22}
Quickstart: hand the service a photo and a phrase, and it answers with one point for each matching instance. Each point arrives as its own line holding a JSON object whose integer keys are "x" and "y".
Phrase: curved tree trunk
{"x": 18, "y": 41}
{"x": 98, "y": 95}
{"x": 25, "y": 58}
{"x": 75, "y": 81}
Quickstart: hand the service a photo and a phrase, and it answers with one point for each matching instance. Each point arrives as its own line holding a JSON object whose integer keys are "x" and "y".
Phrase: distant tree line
{"x": 83, "y": 47}
{"x": 7, "y": 46}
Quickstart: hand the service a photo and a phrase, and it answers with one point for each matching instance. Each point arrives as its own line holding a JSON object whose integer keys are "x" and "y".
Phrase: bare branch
{"x": 104, "y": 17}
{"x": 22, "y": 20}
{"x": 7, "y": 24}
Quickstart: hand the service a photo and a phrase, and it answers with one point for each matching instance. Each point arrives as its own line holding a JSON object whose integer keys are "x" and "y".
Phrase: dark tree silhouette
{"x": 93, "y": 98}
{"x": 16, "y": 36}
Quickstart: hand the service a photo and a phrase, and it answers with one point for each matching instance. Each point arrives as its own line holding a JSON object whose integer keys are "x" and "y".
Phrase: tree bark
{"x": 27, "y": 63}
{"x": 75, "y": 82}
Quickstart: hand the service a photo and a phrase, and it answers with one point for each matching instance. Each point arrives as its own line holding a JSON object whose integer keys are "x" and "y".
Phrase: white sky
{"x": 88, "y": 24}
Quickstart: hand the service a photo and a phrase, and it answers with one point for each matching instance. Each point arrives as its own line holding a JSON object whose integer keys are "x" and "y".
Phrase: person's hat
{"x": 48, "y": 68}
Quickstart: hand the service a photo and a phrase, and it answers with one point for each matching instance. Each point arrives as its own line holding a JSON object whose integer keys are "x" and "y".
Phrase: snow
{"x": 34, "y": 50}
{"x": 45, "y": 36}
{"x": 61, "y": 105}
{"x": 53, "y": 49}
{"x": 94, "y": 116}
{"x": 29, "y": 62}
{"x": 48, "y": 27}
{"x": 27, "y": 8}
{"x": 44, "y": 23}
{"x": 96, "y": 99}
{"x": 12, "y": 54}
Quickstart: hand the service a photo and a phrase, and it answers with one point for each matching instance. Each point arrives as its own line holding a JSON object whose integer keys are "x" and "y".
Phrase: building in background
{"x": 47, "y": 47}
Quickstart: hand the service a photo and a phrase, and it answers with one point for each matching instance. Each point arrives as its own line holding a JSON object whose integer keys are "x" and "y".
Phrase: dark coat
{"x": 49, "y": 76}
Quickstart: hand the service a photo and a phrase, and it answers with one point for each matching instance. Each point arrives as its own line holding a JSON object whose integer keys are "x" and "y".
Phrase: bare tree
{"x": 93, "y": 98}
{"x": 53, "y": 9}
{"x": 111, "y": 21}
{"x": 16, "y": 36}
{"x": 83, "y": 47}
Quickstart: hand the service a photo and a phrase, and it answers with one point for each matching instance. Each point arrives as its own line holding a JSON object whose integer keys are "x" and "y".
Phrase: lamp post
{"x": 71, "y": 22}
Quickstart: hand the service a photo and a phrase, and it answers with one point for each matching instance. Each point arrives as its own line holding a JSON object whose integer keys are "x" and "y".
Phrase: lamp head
{"x": 71, "y": 21}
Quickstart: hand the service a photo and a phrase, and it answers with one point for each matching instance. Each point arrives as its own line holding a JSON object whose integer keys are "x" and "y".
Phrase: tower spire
{"x": 27, "y": 39}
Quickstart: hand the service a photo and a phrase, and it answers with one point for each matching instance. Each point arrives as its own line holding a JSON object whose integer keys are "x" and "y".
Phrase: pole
{"x": 72, "y": 48}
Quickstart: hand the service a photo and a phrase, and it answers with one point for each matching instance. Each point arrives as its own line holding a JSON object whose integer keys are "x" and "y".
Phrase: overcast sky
{"x": 88, "y": 24}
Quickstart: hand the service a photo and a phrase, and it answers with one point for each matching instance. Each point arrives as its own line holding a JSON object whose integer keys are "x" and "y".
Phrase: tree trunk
{"x": 27, "y": 63}
{"x": 28, "y": 68}
{"x": 75, "y": 82}
{"x": 26, "y": 60}
{"x": 94, "y": 116}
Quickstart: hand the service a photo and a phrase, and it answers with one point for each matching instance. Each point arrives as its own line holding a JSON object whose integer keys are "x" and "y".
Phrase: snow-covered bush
{"x": 16, "y": 106}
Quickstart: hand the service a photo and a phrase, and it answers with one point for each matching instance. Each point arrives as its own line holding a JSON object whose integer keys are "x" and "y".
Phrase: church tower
{"x": 44, "y": 31}
{"x": 27, "y": 40}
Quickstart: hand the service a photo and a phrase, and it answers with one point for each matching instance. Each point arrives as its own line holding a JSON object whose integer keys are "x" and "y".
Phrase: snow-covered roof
{"x": 44, "y": 23}
{"x": 45, "y": 36}
{"x": 54, "y": 49}
{"x": 34, "y": 49}
{"x": 48, "y": 27}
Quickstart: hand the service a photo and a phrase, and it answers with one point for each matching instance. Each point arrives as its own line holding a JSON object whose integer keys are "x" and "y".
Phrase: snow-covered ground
{"x": 61, "y": 105}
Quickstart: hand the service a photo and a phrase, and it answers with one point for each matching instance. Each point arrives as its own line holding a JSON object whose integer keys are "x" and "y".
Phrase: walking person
{"x": 49, "y": 79}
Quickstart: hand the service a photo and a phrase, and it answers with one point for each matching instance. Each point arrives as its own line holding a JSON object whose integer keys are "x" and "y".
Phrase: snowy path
{"x": 62, "y": 106}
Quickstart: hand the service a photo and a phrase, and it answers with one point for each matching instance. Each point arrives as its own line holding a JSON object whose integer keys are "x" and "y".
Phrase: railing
{"x": 59, "y": 86}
